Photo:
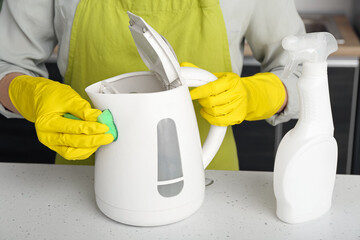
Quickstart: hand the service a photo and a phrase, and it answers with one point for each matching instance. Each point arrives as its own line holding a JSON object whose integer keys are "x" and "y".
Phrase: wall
{"x": 326, "y": 7}
{"x": 320, "y": 6}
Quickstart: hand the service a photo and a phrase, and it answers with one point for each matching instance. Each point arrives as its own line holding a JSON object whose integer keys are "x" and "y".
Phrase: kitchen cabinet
{"x": 19, "y": 143}
{"x": 257, "y": 141}
{"x": 18, "y": 140}
{"x": 355, "y": 168}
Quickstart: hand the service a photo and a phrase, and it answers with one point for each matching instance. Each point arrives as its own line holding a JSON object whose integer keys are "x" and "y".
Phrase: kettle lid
{"x": 155, "y": 51}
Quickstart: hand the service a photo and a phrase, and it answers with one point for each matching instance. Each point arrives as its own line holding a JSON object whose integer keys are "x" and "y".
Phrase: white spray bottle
{"x": 306, "y": 160}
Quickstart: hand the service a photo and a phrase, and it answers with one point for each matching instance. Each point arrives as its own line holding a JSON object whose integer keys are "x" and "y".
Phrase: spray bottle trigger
{"x": 290, "y": 68}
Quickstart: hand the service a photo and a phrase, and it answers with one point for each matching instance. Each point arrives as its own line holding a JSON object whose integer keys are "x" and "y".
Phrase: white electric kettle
{"x": 154, "y": 173}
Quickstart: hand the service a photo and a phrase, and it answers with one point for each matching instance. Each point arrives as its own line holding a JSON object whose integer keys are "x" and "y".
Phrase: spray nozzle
{"x": 310, "y": 47}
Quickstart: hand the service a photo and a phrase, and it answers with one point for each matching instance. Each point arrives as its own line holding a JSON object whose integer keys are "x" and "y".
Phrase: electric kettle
{"x": 154, "y": 173}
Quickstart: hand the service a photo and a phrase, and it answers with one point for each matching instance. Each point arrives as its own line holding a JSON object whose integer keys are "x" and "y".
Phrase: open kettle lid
{"x": 155, "y": 51}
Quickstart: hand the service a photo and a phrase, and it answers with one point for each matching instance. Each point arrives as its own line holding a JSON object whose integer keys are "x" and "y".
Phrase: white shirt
{"x": 29, "y": 31}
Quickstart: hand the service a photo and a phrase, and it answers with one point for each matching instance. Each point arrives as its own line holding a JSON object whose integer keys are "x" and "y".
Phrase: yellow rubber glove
{"x": 232, "y": 99}
{"x": 44, "y": 102}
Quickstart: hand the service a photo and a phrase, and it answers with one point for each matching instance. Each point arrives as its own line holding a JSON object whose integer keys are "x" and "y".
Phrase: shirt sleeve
{"x": 27, "y": 38}
{"x": 271, "y": 21}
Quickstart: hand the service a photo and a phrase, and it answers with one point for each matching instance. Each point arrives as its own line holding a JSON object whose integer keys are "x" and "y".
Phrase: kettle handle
{"x": 196, "y": 77}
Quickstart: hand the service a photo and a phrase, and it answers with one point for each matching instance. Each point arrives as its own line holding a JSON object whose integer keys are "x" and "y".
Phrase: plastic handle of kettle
{"x": 196, "y": 77}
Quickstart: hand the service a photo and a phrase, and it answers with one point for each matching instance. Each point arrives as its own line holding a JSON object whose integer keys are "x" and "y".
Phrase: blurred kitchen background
{"x": 256, "y": 141}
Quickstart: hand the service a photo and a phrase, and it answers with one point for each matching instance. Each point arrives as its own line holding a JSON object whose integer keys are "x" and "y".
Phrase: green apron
{"x": 101, "y": 46}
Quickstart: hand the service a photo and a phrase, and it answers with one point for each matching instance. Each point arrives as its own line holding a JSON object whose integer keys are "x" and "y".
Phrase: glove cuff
{"x": 266, "y": 95}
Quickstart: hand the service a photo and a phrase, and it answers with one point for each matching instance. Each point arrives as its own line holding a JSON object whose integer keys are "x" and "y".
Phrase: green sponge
{"x": 105, "y": 117}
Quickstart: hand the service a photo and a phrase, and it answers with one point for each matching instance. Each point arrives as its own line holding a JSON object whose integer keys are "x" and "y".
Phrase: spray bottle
{"x": 306, "y": 160}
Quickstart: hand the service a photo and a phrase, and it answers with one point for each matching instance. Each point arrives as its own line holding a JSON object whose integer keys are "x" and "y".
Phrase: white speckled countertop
{"x": 39, "y": 201}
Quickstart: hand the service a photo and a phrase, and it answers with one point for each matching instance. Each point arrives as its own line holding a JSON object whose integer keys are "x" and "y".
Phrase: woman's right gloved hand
{"x": 44, "y": 102}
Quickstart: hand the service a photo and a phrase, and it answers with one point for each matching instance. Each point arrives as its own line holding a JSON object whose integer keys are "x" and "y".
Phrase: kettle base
{"x": 149, "y": 218}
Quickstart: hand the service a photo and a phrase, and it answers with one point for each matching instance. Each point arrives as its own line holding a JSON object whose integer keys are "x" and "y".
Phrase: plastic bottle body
{"x": 305, "y": 165}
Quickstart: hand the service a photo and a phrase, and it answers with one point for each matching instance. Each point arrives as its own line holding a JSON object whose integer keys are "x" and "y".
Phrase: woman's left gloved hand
{"x": 232, "y": 99}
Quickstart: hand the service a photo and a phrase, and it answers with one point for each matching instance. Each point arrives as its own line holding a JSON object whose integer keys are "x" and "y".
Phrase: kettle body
{"x": 154, "y": 173}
